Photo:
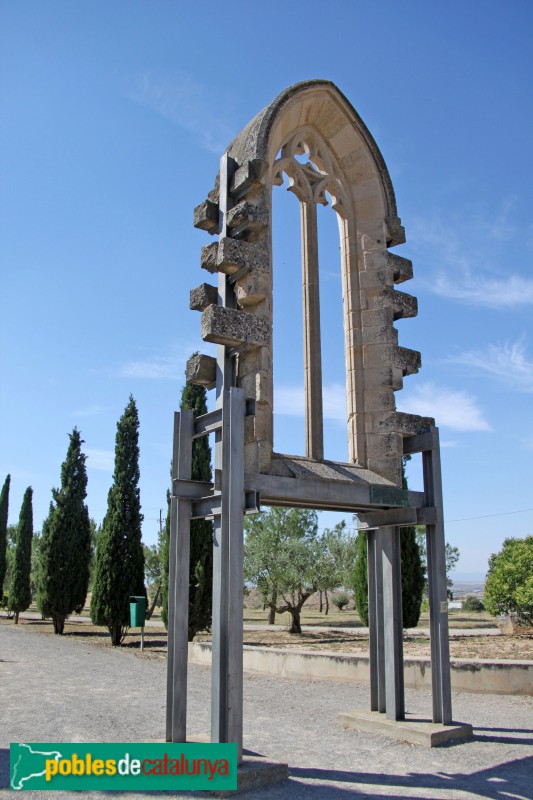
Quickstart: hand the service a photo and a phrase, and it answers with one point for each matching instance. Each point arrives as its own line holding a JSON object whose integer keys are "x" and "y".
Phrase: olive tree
{"x": 280, "y": 558}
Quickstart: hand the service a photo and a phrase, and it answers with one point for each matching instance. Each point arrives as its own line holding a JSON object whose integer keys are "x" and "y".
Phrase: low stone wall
{"x": 481, "y": 675}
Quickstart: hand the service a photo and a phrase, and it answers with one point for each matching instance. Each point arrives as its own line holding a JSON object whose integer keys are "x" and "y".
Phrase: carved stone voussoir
{"x": 203, "y": 296}
{"x": 230, "y": 327}
{"x": 230, "y": 255}
{"x": 201, "y": 370}
{"x": 206, "y": 216}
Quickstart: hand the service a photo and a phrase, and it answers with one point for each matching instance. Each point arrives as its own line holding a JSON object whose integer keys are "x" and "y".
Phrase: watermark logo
{"x": 123, "y": 767}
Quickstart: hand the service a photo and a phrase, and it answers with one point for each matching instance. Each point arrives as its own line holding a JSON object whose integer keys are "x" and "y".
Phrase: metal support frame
{"x": 428, "y": 444}
{"x": 226, "y": 671}
{"x": 437, "y": 590}
{"x": 233, "y": 494}
{"x": 385, "y": 622}
{"x": 393, "y": 624}
{"x": 178, "y": 595}
{"x": 375, "y": 620}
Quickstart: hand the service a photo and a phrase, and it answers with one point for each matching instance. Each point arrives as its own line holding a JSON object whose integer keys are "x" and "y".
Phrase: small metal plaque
{"x": 444, "y": 607}
{"x": 389, "y": 496}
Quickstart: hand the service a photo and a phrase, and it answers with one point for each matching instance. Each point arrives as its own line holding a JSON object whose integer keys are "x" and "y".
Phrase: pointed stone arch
{"x": 315, "y": 118}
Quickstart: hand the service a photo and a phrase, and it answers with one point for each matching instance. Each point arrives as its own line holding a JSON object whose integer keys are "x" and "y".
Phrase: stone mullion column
{"x": 314, "y": 429}
{"x": 353, "y": 349}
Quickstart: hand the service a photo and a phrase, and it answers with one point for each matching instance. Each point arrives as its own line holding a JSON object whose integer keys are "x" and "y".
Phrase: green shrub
{"x": 341, "y": 599}
{"x": 473, "y": 603}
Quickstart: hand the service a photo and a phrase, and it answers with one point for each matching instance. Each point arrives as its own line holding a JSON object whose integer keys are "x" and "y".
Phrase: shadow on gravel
{"x": 496, "y": 783}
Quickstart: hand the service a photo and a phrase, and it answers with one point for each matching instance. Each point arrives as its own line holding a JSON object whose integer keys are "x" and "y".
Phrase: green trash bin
{"x": 137, "y": 612}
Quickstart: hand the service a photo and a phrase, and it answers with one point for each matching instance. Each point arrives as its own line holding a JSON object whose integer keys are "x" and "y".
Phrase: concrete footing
{"x": 412, "y": 729}
{"x": 254, "y": 772}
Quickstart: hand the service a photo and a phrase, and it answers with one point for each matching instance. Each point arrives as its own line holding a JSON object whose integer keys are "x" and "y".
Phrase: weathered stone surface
{"x": 404, "y": 305}
{"x": 397, "y": 422}
{"x": 247, "y": 177}
{"x": 411, "y": 424}
{"x": 379, "y": 334}
{"x": 230, "y": 255}
{"x": 230, "y": 327}
{"x": 249, "y": 215}
{"x": 253, "y": 288}
{"x": 206, "y": 216}
{"x": 395, "y": 231}
{"x": 402, "y": 268}
{"x": 201, "y": 370}
{"x": 377, "y": 279}
{"x": 203, "y": 296}
{"x": 408, "y": 360}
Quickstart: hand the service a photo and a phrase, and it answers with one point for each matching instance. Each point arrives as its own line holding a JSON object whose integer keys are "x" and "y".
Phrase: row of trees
{"x": 70, "y": 547}
{"x": 19, "y": 587}
{"x": 62, "y": 562}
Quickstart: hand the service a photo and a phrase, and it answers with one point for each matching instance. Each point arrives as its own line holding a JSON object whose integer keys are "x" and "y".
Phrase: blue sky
{"x": 114, "y": 118}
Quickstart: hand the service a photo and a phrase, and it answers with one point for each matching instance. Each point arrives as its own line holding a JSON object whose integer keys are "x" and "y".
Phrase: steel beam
{"x": 437, "y": 589}
{"x": 178, "y": 595}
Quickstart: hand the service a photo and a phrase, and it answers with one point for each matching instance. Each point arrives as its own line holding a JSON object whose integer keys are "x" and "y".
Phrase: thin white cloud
{"x": 506, "y": 362}
{"x": 103, "y": 460}
{"x": 469, "y": 257}
{"x": 289, "y": 401}
{"x": 185, "y": 102}
{"x": 516, "y": 290}
{"x": 157, "y": 368}
{"x": 451, "y": 408}
{"x": 90, "y": 411}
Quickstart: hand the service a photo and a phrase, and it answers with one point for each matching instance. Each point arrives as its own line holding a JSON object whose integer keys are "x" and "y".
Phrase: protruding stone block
{"x": 404, "y": 305}
{"x": 397, "y": 422}
{"x": 395, "y": 231}
{"x": 231, "y": 255}
{"x": 247, "y": 215}
{"x": 402, "y": 268}
{"x": 203, "y": 296}
{"x": 230, "y": 327}
{"x": 206, "y": 216}
{"x": 411, "y": 424}
{"x": 201, "y": 370}
{"x": 409, "y": 361}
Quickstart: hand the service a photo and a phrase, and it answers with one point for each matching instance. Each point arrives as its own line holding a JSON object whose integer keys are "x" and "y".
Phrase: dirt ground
{"x": 517, "y": 647}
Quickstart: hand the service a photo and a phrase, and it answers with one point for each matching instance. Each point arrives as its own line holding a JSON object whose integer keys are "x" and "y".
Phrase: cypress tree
{"x": 413, "y": 572}
{"x": 164, "y": 544}
{"x": 19, "y": 581}
{"x": 119, "y": 567}
{"x": 413, "y": 575}
{"x": 4, "y": 508}
{"x": 65, "y": 550}
{"x": 361, "y": 578}
{"x": 201, "y": 548}
{"x": 413, "y": 578}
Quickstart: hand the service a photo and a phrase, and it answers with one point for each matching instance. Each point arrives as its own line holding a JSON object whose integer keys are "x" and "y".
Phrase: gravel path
{"x": 62, "y": 689}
